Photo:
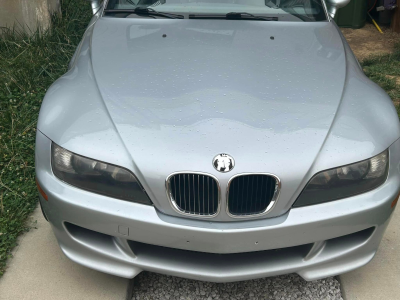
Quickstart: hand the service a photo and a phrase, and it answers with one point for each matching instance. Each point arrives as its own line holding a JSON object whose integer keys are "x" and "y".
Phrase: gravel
{"x": 155, "y": 286}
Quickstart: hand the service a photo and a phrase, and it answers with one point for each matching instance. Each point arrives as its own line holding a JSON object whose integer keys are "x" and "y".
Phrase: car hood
{"x": 182, "y": 91}
{"x": 179, "y": 92}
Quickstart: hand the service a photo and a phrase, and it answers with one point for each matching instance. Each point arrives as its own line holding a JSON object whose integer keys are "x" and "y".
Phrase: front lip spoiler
{"x": 311, "y": 261}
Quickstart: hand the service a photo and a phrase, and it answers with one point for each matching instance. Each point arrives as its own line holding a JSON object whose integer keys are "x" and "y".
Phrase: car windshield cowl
{"x": 257, "y": 10}
{"x": 234, "y": 16}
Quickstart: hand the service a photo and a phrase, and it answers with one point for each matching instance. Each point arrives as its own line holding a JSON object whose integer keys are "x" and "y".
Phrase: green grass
{"x": 385, "y": 71}
{"x": 28, "y": 66}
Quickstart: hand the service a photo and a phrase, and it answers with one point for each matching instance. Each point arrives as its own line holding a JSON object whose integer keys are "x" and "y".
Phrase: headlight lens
{"x": 345, "y": 181}
{"x": 96, "y": 176}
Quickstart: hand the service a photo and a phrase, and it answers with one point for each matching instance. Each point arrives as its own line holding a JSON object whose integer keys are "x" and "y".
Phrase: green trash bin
{"x": 353, "y": 15}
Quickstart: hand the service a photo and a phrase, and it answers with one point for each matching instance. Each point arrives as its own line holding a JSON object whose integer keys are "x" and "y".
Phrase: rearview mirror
{"x": 96, "y": 5}
{"x": 334, "y": 5}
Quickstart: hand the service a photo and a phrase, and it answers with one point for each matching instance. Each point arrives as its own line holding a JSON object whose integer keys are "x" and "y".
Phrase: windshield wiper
{"x": 247, "y": 16}
{"x": 234, "y": 16}
{"x": 146, "y": 12}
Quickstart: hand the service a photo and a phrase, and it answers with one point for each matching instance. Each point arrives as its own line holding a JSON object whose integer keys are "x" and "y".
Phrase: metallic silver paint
{"x": 311, "y": 224}
{"x": 96, "y": 6}
{"x": 299, "y": 103}
{"x": 176, "y": 207}
{"x": 334, "y": 5}
{"x": 181, "y": 133}
{"x": 269, "y": 207}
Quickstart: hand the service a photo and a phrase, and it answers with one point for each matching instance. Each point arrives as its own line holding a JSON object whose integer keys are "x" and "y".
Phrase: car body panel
{"x": 161, "y": 96}
{"x": 206, "y": 89}
{"x": 106, "y": 247}
{"x": 282, "y": 106}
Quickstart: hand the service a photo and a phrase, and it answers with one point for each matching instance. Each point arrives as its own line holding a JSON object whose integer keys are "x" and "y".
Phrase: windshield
{"x": 280, "y": 10}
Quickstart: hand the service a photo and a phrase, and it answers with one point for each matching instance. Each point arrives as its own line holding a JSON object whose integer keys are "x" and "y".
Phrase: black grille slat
{"x": 212, "y": 194}
{"x": 251, "y": 194}
{"x": 195, "y": 194}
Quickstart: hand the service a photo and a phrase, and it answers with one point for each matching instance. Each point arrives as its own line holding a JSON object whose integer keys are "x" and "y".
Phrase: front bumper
{"x": 123, "y": 238}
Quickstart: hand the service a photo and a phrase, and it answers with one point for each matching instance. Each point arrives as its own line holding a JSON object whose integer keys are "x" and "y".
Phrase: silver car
{"x": 218, "y": 141}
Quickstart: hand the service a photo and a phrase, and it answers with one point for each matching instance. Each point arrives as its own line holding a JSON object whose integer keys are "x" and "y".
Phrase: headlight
{"x": 97, "y": 177}
{"x": 345, "y": 181}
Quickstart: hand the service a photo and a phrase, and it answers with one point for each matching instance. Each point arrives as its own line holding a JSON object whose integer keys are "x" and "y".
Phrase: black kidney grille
{"x": 251, "y": 194}
{"x": 194, "y": 194}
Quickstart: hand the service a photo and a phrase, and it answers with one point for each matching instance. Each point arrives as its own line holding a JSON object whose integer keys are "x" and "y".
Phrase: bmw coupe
{"x": 218, "y": 140}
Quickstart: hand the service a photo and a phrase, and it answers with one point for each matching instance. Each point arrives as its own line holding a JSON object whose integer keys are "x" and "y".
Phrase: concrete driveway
{"x": 380, "y": 279}
{"x": 39, "y": 270}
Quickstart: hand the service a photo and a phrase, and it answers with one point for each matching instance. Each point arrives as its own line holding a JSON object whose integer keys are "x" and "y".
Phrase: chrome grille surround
{"x": 174, "y": 203}
{"x": 270, "y": 205}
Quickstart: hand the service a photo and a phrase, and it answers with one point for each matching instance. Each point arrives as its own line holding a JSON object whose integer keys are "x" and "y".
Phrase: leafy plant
{"x": 29, "y": 64}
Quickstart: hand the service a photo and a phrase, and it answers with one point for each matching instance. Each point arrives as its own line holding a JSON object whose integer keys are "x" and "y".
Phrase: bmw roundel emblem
{"x": 223, "y": 163}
